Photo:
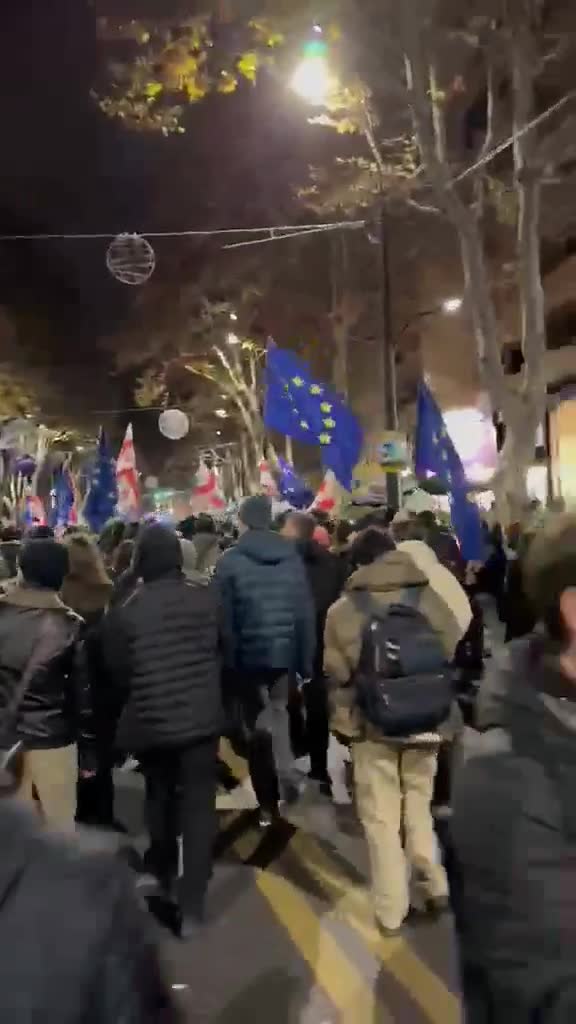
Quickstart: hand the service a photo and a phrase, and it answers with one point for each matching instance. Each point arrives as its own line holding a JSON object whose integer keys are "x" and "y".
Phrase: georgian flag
{"x": 327, "y": 498}
{"x": 207, "y": 494}
{"x": 267, "y": 481}
{"x": 127, "y": 478}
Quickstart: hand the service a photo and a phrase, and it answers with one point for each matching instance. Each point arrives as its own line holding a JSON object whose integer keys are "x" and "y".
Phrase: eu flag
{"x": 299, "y": 406}
{"x": 436, "y": 454}
{"x": 103, "y": 494}
{"x": 63, "y": 498}
{"x": 292, "y": 487}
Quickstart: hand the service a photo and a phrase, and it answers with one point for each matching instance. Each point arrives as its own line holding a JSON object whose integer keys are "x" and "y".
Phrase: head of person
{"x": 40, "y": 533}
{"x": 158, "y": 553}
{"x": 44, "y": 564}
{"x": 550, "y": 581}
{"x": 205, "y": 524}
{"x": 123, "y": 556}
{"x": 111, "y": 537}
{"x": 369, "y": 546}
{"x": 85, "y": 560}
{"x": 255, "y": 514}
{"x": 298, "y": 526}
{"x": 342, "y": 533}
{"x": 187, "y": 527}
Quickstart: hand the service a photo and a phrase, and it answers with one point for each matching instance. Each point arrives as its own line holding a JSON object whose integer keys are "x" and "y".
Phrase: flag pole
{"x": 388, "y": 355}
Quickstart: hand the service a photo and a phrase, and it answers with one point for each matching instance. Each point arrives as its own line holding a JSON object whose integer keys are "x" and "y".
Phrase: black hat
{"x": 256, "y": 512}
{"x": 44, "y": 563}
{"x": 158, "y": 553}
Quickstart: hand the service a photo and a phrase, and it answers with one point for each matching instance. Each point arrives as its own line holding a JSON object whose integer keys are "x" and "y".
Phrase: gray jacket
{"x": 514, "y": 837}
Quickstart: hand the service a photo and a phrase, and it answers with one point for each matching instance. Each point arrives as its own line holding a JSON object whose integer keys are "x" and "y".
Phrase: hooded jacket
{"x": 385, "y": 580}
{"x": 56, "y": 709}
{"x": 514, "y": 836}
{"x": 268, "y": 614}
{"x": 77, "y": 946}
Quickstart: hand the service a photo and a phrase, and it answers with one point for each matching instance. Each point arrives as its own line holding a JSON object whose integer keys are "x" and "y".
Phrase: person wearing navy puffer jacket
{"x": 269, "y": 637}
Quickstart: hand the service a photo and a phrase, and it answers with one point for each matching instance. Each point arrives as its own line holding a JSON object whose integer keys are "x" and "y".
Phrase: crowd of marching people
{"x": 152, "y": 642}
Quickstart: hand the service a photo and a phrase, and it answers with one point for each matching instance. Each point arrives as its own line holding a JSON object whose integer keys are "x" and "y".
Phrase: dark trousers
{"x": 264, "y": 698}
{"x": 317, "y": 729}
{"x": 181, "y": 799}
{"x": 95, "y": 804}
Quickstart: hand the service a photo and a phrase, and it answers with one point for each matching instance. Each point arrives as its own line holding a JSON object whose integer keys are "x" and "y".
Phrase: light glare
{"x": 453, "y": 305}
{"x": 312, "y": 81}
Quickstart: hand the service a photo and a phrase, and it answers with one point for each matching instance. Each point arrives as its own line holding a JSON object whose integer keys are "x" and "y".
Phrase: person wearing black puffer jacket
{"x": 326, "y": 577}
{"x": 269, "y": 638}
{"x": 53, "y": 719}
{"x": 161, "y": 648}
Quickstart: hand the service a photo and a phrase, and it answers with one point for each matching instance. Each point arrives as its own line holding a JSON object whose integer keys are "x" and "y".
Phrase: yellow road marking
{"x": 354, "y": 905}
{"x": 342, "y": 982}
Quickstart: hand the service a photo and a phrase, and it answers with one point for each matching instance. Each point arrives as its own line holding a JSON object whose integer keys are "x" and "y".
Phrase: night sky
{"x": 66, "y": 167}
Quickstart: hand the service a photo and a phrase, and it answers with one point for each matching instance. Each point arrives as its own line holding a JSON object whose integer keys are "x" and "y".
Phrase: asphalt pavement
{"x": 290, "y": 936}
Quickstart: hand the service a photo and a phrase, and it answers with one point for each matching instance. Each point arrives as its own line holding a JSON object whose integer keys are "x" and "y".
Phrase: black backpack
{"x": 403, "y": 680}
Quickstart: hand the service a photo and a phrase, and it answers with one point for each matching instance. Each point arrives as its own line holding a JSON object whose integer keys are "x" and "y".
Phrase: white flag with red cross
{"x": 267, "y": 482}
{"x": 328, "y": 496}
{"x": 207, "y": 493}
{"x": 127, "y": 478}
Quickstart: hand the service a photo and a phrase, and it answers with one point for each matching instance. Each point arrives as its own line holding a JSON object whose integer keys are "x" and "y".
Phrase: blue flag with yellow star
{"x": 436, "y": 455}
{"x": 298, "y": 406}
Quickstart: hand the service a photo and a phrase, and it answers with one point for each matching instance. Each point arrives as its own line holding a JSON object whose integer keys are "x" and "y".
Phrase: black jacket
{"x": 514, "y": 833}
{"x": 77, "y": 948}
{"x": 326, "y": 577}
{"x": 268, "y": 615}
{"x": 161, "y": 650}
{"x": 56, "y": 709}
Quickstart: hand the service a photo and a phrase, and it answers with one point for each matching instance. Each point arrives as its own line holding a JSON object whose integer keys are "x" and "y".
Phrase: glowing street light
{"x": 312, "y": 81}
{"x": 452, "y": 305}
{"x": 232, "y": 338}
{"x": 221, "y": 413}
{"x": 233, "y": 316}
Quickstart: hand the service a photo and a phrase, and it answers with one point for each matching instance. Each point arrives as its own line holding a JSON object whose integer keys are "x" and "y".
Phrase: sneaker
{"x": 267, "y": 819}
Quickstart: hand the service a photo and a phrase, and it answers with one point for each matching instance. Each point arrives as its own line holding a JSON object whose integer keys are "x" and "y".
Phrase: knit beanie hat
{"x": 44, "y": 563}
{"x": 158, "y": 552}
{"x": 256, "y": 512}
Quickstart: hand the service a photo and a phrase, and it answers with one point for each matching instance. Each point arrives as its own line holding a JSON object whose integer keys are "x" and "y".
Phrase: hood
{"x": 393, "y": 571}
{"x": 85, "y": 597}
{"x": 442, "y": 581}
{"x": 23, "y": 596}
{"x": 265, "y": 547}
{"x": 525, "y": 682}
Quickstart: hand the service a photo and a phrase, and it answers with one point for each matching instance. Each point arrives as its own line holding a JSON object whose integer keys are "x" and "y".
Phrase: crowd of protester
{"x": 154, "y": 642}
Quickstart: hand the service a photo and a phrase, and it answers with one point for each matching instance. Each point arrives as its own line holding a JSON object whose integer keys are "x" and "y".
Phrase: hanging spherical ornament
{"x": 25, "y": 466}
{"x": 131, "y": 259}
{"x": 174, "y": 424}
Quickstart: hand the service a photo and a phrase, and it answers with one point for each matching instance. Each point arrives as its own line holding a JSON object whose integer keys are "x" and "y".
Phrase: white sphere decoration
{"x": 174, "y": 424}
{"x": 151, "y": 483}
{"x": 131, "y": 259}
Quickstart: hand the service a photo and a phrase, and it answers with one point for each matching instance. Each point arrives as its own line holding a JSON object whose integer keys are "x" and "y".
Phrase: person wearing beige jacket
{"x": 394, "y": 779}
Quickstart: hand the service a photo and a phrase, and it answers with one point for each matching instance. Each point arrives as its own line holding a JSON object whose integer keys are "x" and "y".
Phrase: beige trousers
{"x": 54, "y": 775}
{"x": 394, "y": 790}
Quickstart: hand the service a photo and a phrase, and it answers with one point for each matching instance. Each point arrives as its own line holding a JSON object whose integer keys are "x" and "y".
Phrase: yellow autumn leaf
{"x": 248, "y": 65}
{"x": 228, "y": 83}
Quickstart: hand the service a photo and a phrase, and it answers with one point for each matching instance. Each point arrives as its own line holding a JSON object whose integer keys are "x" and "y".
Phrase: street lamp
{"x": 312, "y": 80}
{"x": 232, "y": 338}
